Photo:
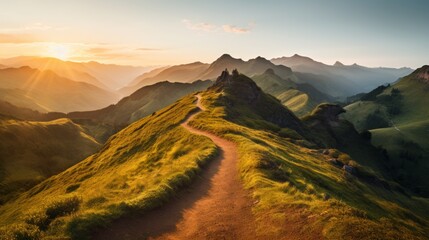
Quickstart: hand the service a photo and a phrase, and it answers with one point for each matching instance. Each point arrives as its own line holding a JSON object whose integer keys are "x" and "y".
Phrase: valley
{"x": 209, "y": 120}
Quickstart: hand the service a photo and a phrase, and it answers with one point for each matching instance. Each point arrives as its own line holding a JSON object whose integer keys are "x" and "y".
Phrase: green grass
{"x": 408, "y": 150}
{"x": 138, "y": 169}
{"x": 286, "y": 91}
{"x": 358, "y": 113}
{"x": 284, "y": 176}
{"x": 145, "y": 164}
{"x": 409, "y": 127}
{"x": 33, "y": 151}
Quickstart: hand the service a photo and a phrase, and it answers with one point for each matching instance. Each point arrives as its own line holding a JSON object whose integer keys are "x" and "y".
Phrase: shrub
{"x": 72, "y": 188}
{"x": 96, "y": 201}
{"x": 63, "y": 207}
{"x": 80, "y": 227}
{"x": 289, "y": 133}
{"x": 38, "y": 219}
{"x": 373, "y": 121}
{"x": 372, "y": 96}
{"x": 21, "y": 232}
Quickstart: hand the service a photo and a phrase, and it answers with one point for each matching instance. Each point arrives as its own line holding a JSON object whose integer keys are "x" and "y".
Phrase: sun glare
{"x": 58, "y": 51}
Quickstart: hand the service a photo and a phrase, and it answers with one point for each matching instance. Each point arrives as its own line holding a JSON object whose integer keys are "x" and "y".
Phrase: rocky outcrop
{"x": 328, "y": 111}
{"x": 242, "y": 95}
{"x": 241, "y": 87}
{"x": 422, "y": 74}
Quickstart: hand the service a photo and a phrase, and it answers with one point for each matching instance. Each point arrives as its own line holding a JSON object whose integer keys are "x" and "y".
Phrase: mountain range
{"x": 106, "y": 76}
{"x": 340, "y": 80}
{"x": 171, "y": 153}
{"x": 317, "y": 170}
{"x": 45, "y": 91}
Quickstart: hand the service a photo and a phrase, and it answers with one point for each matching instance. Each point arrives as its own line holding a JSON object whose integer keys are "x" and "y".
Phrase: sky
{"x": 373, "y": 33}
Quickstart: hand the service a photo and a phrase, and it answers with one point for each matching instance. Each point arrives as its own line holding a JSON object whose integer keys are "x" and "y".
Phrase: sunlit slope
{"x": 300, "y": 98}
{"x": 32, "y": 151}
{"x": 137, "y": 169}
{"x": 289, "y": 166}
{"x": 27, "y": 87}
{"x": 398, "y": 119}
{"x": 106, "y": 76}
{"x": 298, "y": 192}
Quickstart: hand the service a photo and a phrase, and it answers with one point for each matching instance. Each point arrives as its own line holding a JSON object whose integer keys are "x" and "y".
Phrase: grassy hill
{"x": 33, "y": 151}
{"x": 291, "y": 167}
{"x": 148, "y": 160}
{"x": 102, "y": 123}
{"x": 142, "y": 103}
{"x": 397, "y": 116}
{"x": 13, "y": 112}
{"x": 46, "y": 91}
{"x": 300, "y": 98}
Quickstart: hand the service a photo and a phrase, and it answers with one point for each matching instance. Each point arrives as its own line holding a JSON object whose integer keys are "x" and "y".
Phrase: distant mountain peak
{"x": 259, "y": 59}
{"x": 297, "y": 56}
{"x": 338, "y": 64}
{"x": 293, "y": 60}
{"x": 225, "y": 56}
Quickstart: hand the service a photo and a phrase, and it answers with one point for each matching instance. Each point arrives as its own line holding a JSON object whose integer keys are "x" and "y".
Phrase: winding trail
{"x": 214, "y": 207}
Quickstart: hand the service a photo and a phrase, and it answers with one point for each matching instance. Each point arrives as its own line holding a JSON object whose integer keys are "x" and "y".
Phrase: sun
{"x": 58, "y": 51}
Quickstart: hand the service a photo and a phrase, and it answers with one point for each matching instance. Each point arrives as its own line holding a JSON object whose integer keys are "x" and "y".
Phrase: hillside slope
{"x": 32, "y": 151}
{"x": 142, "y": 103}
{"x": 303, "y": 188}
{"x": 301, "y": 98}
{"x": 397, "y": 116}
{"x": 46, "y": 91}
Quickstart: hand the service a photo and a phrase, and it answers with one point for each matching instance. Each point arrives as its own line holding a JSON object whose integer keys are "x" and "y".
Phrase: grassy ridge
{"x": 402, "y": 132}
{"x": 289, "y": 181}
{"x": 296, "y": 189}
{"x": 138, "y": 169}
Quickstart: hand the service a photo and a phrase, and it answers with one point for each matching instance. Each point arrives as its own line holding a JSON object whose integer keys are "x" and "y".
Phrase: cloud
{"x": 97, "y": 50}
{"x": 208, "y": 27}
{"x": 109, "y": 51}
{"x": 202, "y": 26}
{"x": 148, "y": 49}
{"x": 18, "y": 38}
{"x": 234, "y": 29}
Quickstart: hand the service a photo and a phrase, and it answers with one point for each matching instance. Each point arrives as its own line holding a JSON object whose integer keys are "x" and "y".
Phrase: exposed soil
{"x": 215, "y": 206}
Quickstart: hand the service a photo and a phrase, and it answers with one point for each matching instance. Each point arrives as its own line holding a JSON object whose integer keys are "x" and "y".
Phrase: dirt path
{"x": 215, "y": 207}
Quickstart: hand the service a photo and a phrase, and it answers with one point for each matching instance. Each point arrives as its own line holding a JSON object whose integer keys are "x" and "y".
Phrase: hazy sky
{"x": 371, "y": 32}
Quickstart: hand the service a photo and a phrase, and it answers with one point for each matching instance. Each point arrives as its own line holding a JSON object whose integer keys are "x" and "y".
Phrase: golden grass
{"x": 143, "y": 165}
{"x": 138, "y": 169}
{"x": 284, "y": 176}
